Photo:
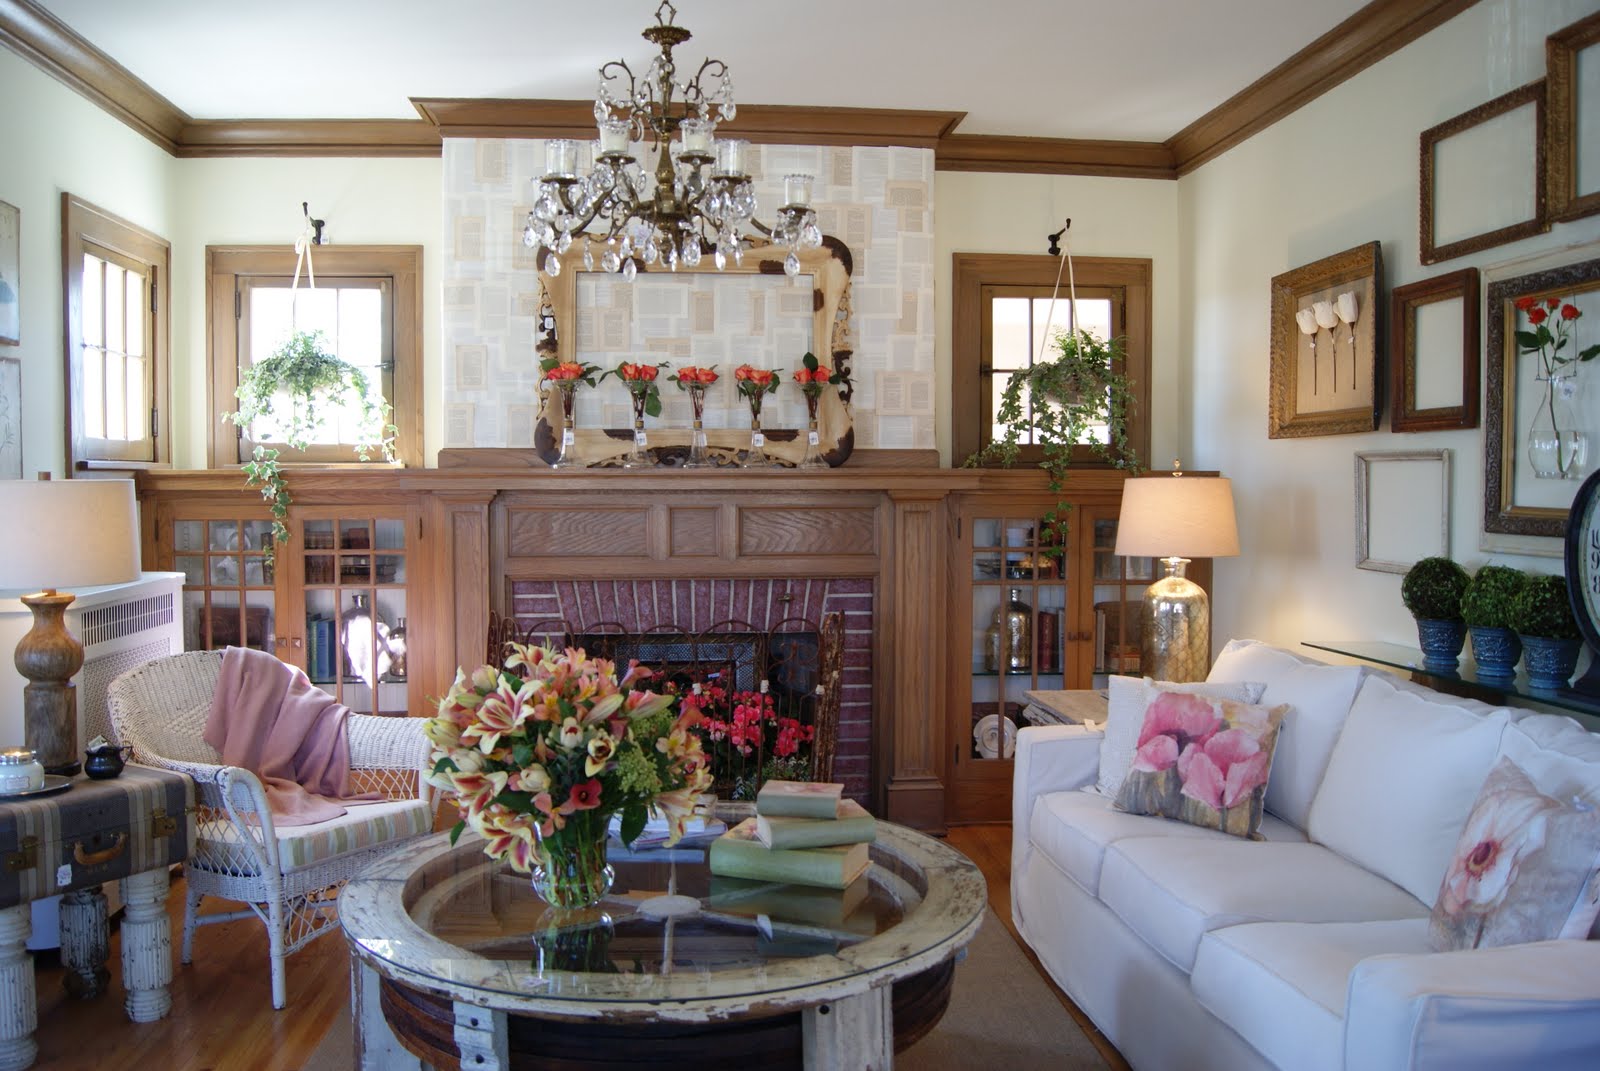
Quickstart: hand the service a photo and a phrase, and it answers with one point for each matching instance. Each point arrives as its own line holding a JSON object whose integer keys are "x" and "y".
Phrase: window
{"x": 1003, "y": 313}
{"x": 115, "y": 281}
{"x": 367, "y": 304}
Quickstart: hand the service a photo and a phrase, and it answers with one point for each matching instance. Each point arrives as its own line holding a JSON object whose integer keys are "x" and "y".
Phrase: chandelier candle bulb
{"x": 614, "y": 137}
{"x": 730, "y": 157}
{"x": 796, "y": 191}
{"x": 696, "y": 138}
{"x": 561, "y": 158}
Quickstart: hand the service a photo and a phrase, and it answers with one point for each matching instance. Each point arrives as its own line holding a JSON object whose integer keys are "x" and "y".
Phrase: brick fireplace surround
{"x": 693, "y": 605}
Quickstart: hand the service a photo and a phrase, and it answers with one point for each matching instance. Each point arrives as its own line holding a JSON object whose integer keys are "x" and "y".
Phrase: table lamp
{"x": 67, "y": 534}
{"x": 1176, "y": 518}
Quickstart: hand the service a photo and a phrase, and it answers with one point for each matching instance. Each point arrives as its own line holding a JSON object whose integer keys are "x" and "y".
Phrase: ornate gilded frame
{"x": 1404, "y": 354}
{"x": 1532, "y": 93}
{"x": 1563, "y": 129}
{"x": 830, "y": 267}
{"x": 1502, "y": 436}
{"x": 1294, "y": 361}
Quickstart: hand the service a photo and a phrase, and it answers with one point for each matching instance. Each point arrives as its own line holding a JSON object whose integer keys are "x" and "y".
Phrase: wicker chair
{"x": 288, "y": 877}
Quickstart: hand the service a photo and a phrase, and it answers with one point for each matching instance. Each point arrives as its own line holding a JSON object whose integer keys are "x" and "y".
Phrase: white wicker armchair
{"x": 290, "y": 876}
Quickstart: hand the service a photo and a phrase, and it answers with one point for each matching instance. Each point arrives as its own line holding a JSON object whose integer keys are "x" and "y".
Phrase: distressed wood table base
{"x": 18, "y": 1006}
{"x": 147, "y": 945}
{"x": 85, "y": 942}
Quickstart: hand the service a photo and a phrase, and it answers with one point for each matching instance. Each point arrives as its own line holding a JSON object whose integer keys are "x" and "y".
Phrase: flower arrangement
{"x": 755, "y": 383}
{"x": 1545, "y": 343}
{"x": 812, "y": 376}
{"x": 567, "y": 373}
{"x": 747, "y": 740}
{"x": 640, "y": 379}
{"x": 541, "y": 753}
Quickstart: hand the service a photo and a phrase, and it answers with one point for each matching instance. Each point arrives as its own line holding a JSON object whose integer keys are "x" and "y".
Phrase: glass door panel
{"x": 355, "y": 604}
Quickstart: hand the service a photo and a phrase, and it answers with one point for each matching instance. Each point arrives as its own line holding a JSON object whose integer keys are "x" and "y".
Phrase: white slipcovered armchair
{"x": 288, "y": 876}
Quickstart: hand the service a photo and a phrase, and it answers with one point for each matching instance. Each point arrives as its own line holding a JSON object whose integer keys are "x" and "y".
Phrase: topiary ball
{"x": 1432, "y": 589}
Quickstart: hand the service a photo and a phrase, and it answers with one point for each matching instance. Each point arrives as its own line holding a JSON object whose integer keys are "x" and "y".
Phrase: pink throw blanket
{"x": 268, "y": 718}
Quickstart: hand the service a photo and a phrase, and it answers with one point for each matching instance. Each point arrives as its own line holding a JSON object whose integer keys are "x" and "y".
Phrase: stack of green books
{"x": 803, "y": 834}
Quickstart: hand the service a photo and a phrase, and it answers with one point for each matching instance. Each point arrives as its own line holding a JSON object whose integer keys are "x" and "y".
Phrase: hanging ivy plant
{"x": 1072, "y": 395}
{"x": 297, "y": 387}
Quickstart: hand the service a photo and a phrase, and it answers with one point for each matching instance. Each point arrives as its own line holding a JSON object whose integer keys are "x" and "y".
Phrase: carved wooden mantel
{"x": 482, "y": 528}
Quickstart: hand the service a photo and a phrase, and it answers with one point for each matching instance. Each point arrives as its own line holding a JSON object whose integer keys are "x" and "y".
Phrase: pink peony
{"x": 1504, "y": 828}
{"x": 1222, "y": 771}
{"x": 1172, "y": 723}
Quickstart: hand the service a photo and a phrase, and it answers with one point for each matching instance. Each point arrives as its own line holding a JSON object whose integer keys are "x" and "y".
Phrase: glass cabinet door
{"x": 228, "y": 584}
{"x": 1119, "y": 585}
{"x": 355, "y": 571}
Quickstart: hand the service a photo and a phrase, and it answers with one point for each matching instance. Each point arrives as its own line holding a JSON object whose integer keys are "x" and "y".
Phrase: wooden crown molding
{"x": 1377, "y": 30}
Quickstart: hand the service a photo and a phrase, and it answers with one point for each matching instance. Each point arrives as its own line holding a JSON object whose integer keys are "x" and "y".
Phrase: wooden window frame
{"x": 87, "y": 227}
{"x": 226, "y": 266}
{"x": 976, "y": 274}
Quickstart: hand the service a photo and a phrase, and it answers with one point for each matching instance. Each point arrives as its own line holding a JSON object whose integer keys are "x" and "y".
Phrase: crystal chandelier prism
{"x": 699, "y": 200}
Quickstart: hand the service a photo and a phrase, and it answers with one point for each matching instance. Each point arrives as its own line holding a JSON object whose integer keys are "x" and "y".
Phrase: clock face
{"x": 1583, "y": 558}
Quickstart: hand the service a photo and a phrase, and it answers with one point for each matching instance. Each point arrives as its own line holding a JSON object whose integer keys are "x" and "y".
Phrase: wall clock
{"x": 1583, "y": 575}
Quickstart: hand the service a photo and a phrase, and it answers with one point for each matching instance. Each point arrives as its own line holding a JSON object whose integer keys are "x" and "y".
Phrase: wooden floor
{"x": 222, "y": 1017}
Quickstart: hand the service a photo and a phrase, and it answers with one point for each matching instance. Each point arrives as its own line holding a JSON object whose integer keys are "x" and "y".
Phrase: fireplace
{"x": 736, "y": 631}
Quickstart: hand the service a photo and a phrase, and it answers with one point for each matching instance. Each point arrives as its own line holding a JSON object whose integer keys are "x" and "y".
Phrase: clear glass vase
{"x": 1557, "y": 445}
{"x": 756, "y": 457}
{"x": 698, "y": 458}
{"x": 571, "y": 869}
{"x": 638, "y": 457}
{"x": 813, "y": 458}
{"x": 568, "y": 459}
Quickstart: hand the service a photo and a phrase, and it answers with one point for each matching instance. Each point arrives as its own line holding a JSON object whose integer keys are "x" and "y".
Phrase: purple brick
{"x": 852, "y": 585}
{"x": 606, "y": 600}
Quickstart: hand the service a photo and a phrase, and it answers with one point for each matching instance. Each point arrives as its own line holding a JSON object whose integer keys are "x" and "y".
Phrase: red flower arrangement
{"x": 1548, "y": 344}
{"x": 640, "y": 379}
{"x": 814, "y": 375}
{"x": 754, "y": 382}
{"x": 694, "y": 376}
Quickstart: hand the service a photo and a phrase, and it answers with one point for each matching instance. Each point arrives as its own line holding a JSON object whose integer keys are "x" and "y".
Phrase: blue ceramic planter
{"x": 1550, "y": 663}
{"x": 1441, "y": 643}
{"x": 1496, "y": 650}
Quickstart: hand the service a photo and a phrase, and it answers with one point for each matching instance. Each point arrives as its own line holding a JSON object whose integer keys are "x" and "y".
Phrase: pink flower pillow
{"x": 1524, "y": 869}
{"x": 1203, "y": 761}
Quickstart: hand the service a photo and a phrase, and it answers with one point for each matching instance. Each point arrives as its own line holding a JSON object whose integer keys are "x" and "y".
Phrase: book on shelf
{"x": 328, "y": 655}
{"x": 799, "y": 799}
{"x": 738, "y": 854}
{"x": 809, "y": 905}
{"x": 852, "y": 826}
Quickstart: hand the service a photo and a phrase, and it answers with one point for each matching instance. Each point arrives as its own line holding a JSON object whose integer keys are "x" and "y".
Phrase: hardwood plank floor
{"x": 222, "y": 1017}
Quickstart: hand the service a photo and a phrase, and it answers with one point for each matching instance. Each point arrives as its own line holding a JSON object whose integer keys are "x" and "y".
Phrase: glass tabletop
{"x": 669, "y": 930}
{"x": 1491, "y": 688}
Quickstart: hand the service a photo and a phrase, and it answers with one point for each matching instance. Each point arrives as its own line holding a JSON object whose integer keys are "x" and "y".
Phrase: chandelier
{"x": 684, "y": 212}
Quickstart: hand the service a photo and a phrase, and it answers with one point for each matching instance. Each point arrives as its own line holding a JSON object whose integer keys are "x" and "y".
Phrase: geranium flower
{"x": 1173, "y": 722}
{"x": 1224, "y": 769}
{"x": 1503, "y": 830}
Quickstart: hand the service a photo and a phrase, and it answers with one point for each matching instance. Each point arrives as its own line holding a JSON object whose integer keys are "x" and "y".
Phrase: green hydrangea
{"x": 636, "y": 774}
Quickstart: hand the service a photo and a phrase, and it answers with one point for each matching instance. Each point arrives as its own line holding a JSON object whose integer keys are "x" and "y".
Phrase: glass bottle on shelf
{"x": 1009, "y": 641}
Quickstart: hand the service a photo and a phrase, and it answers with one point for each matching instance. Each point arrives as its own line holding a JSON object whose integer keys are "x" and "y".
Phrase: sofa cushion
{"x": 1171, "y": 891}
{"x": 1558, "y": 755}
{"x": 1203, "y": 761}
{"x": 1126, "y": 700}
{"x": 1074, "y": 829}
{"x": 1281, "y": 985}
{"x": 1319, "y": 698}
{"x": 362, "y": 826}
{"x": 1523, "y": 870}
{"x": 1402, "y": 778}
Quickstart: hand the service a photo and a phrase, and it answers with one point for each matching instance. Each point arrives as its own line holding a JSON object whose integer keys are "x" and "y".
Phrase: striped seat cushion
{"x": 362, "y": 826}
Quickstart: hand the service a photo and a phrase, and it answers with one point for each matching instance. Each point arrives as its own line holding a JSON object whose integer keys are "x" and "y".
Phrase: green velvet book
{"x": 738, "y": 854}
{"x": 853, "y": 826}
{"x": 799, "y": 799}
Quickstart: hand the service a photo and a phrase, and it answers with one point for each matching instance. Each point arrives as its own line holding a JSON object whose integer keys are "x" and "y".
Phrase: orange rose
{"x": 821, "y": 375}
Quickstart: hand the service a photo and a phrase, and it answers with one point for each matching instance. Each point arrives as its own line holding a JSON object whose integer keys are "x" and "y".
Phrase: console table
{"x": 130, "y": 829}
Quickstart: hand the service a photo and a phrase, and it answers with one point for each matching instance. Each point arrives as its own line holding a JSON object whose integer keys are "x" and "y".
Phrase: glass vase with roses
{"x": 1557, "y": 447}
{"x": 695, "y": 379}
{"x": 640, "y": 381}
{"x": 540, "y": 753}
{"x": 563, "y": 377}
{"x": 813, "y": 378}
{"x": 755, "y": 384}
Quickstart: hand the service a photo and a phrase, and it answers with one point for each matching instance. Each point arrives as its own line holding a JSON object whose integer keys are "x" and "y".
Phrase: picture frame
{"x": 1424, "y": 339}
{"x": 1306, "y": 396}
{"x": 1397, "y": 491}
{"x": 10, "y": 275}
{"x": 1572, "y": 78}
{"x": 1476, "y": 192}
{"x": 10, "y": 418}
{"x": 1515, "y": 500}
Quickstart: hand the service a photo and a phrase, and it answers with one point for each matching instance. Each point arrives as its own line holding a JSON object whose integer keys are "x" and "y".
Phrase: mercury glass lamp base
{"x": 1175, "y": 627}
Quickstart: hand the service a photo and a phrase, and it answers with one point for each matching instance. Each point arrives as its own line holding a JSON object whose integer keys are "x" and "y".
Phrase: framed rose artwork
{"x": 1325, "y": 336}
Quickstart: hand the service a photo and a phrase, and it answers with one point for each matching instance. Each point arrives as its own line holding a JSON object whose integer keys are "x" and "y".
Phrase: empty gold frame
{"x": 1572, "y": 119}
{"x": 1324, "y": 346}
{"x": 1430, "y": 351}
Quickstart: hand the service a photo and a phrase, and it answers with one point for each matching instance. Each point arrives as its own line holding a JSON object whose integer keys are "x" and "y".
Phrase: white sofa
{"x": 1196, "y": 951}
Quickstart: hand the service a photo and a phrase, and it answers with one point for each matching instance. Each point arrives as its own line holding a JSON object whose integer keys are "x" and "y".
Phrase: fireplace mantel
{"x": 483, "y": 527}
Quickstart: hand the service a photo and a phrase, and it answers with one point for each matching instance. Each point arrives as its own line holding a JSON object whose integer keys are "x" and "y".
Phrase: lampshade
{"x": 67, "y": 534}
{"x": 1178, "y": 517}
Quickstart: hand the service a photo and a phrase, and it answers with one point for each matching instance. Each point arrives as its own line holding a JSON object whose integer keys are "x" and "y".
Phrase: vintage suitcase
{"x": 93, "y": 832}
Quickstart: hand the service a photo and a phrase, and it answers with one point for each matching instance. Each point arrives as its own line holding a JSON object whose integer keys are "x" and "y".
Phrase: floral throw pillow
{"x": 1203, "y": 761}
{"x": 1524, "y": 869}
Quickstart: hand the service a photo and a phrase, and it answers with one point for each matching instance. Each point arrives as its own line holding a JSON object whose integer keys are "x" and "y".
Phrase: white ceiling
{"x": 1135, "y": 70}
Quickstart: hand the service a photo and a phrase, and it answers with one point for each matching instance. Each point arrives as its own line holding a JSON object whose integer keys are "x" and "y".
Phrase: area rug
{"x": 1001, "y": 1010}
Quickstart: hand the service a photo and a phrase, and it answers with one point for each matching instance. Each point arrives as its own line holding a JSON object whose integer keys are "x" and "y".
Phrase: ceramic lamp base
{"x": 1175, "y": 627}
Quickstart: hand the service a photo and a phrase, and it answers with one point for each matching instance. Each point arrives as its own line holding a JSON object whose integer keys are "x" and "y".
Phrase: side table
{"x": 129, "y": 829}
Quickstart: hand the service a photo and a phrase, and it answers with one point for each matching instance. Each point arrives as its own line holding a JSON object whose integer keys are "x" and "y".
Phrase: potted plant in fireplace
{"x": 1486, "y": 608}
{"x": 1541, "y": 614}
{"x": 1432, "y": 591}
{"x": 297, "y": 389}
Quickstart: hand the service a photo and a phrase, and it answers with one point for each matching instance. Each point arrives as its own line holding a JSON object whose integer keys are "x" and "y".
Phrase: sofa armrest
{"x": 1049, "y": 758}
{"x": 1534, "y": 1005}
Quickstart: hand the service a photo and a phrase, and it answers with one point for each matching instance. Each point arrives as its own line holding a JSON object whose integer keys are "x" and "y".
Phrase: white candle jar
{"x": 614, "y": 137}
{"x": 730, "y": 156}
{"x": 797, "y": 190}
{"x": 560, "y": 158}
{"x": 696, "y": 137}
{"x": 19, "y": 771}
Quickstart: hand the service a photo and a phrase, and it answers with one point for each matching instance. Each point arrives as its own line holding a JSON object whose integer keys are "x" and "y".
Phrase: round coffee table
{"x": 455, "y": 962}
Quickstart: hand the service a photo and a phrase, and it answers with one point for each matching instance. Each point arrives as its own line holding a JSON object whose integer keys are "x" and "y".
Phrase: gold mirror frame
{"x": 830, "y": 267}
{"x": 1563, "y": 120}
